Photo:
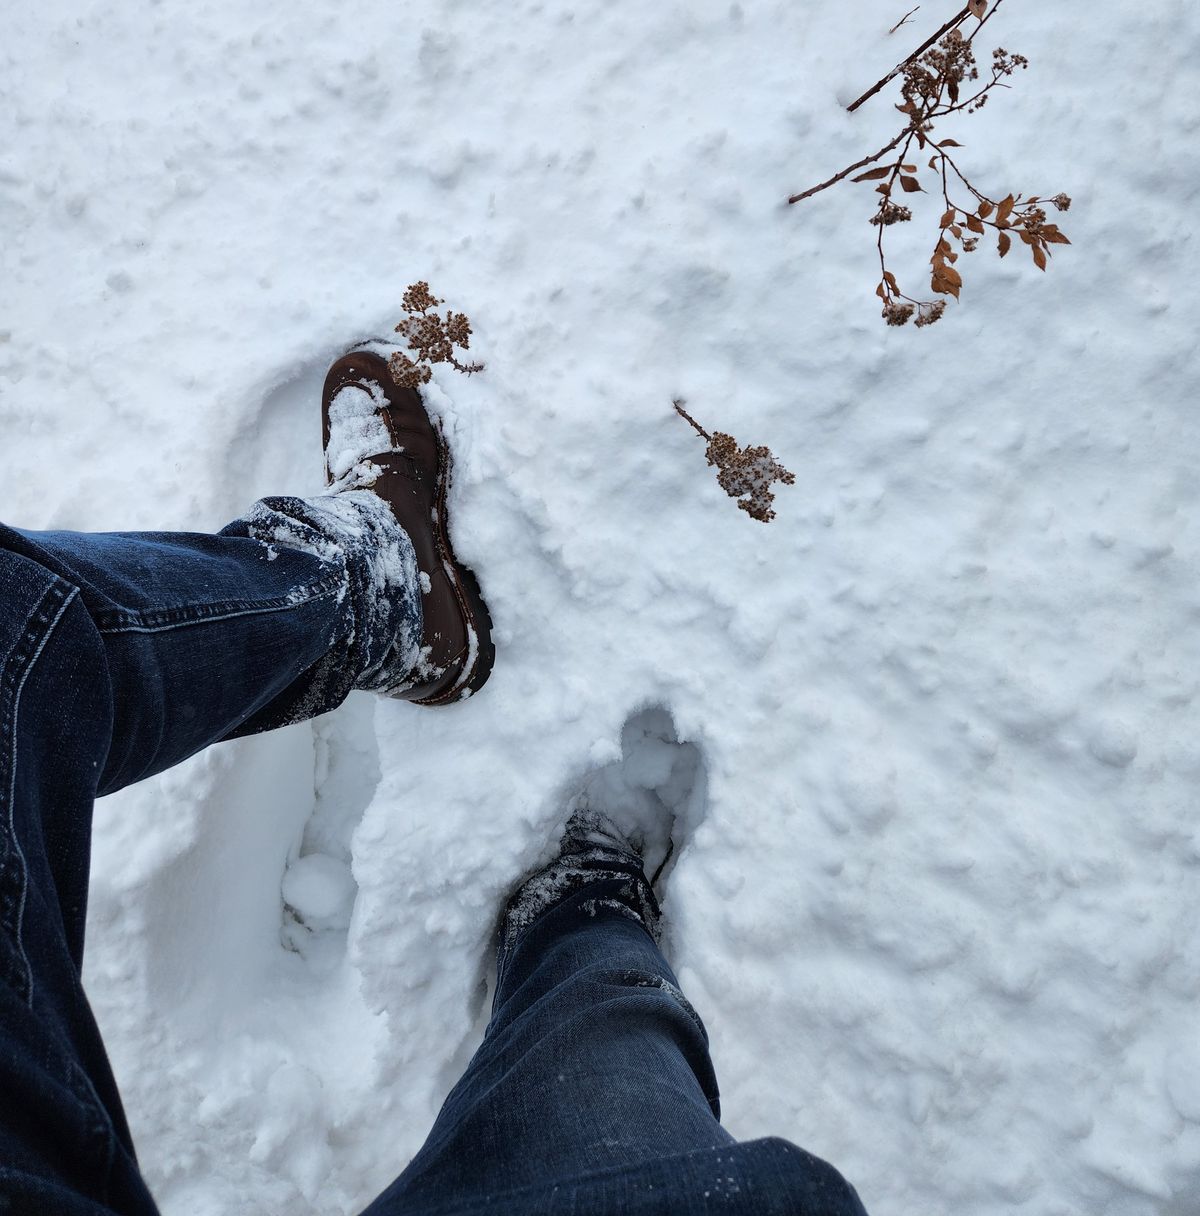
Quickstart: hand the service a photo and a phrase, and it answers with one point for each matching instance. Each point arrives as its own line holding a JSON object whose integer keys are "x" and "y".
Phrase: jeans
{"x": 122, "y": 654}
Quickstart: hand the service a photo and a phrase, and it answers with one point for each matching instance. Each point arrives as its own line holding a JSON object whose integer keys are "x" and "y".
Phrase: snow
{"x": 937, "y": 907}
{"x": 320, "y": 890}
{"x": 355, "y": 430}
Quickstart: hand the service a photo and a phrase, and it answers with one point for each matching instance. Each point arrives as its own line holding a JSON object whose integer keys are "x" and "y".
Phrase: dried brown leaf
{"x": 944, "y": 286}
{"x": 949, "y": 274}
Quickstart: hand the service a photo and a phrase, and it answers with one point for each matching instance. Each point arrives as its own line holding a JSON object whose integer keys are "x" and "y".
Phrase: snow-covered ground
{"x": 935, "y": 729}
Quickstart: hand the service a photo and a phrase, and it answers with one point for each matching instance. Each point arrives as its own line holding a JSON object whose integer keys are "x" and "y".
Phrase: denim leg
{"x": 592, "y": 1059}
{"x": 593, "y": 1094}
{"x": 120, "y": 655}
{"x": 64, "y": 1144}
{"x": 272, "y": 621}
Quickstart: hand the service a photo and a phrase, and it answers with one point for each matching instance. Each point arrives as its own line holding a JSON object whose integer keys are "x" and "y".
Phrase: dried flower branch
{"x": 743, "y": 473}
{"x": 432, "y": 338}
{"x": 937, "y": 81}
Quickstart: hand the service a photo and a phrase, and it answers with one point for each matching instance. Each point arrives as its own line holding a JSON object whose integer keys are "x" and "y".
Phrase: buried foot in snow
{"x": 655, "y": 794}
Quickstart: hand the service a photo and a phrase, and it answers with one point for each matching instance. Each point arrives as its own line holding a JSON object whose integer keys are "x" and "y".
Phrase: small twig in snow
{"x": 903, "y": 20}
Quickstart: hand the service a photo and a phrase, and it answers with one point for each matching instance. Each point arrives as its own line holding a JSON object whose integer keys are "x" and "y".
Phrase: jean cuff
{"x": 356, "y": 532}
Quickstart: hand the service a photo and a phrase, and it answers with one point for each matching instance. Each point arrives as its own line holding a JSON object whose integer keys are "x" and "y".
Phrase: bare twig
{"x": 837, "y": 177}
{"x": 678, "y": 404}
{"x": 903, "y": 20}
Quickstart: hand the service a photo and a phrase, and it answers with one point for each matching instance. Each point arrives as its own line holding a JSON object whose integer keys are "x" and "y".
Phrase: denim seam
{"x": 64, "y": 593}
{"x": 99, "y": 1123}
{"x": 117, "y": 620}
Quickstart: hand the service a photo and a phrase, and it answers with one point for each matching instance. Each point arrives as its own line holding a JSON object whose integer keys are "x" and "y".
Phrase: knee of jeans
{"x": 640, "y": 997}
{"x": 78, "y": 687}
{"x": 61, "y": 717}
{"x": 58, "y": 720}
{"x": 643, "y": 980}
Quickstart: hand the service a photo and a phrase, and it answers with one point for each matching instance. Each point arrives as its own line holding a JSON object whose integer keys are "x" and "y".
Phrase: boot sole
{"x": 465, "y": 585}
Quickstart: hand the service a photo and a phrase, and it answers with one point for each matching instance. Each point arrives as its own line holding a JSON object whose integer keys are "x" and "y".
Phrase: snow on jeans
{"x": 122, "y": 654}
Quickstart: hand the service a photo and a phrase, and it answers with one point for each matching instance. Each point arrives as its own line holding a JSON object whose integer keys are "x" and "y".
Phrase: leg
{"x": 64, "y": 1144}
{"x": 593, "y": 1091}
{"x": 273, "y": 620}
{"x": 120, "y": 656}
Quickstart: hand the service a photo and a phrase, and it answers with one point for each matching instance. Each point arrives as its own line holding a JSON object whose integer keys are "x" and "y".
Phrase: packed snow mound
{"x": 939, "y": 909}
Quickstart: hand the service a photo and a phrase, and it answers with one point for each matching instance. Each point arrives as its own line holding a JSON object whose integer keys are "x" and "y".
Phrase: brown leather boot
{"x": 409, "y": 468}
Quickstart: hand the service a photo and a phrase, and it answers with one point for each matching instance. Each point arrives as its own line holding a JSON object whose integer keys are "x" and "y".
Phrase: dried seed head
{"x": 891, "y": 213}
{"x": 458, "y": 329}
{"x": 930, "y": 313}
{"x": 746, "y": 474}
{"x": 418, "y": 298}
{"x": 896, "y": 313}
{"x": 405, "y": 372}
{"x": 432, "y": 338}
